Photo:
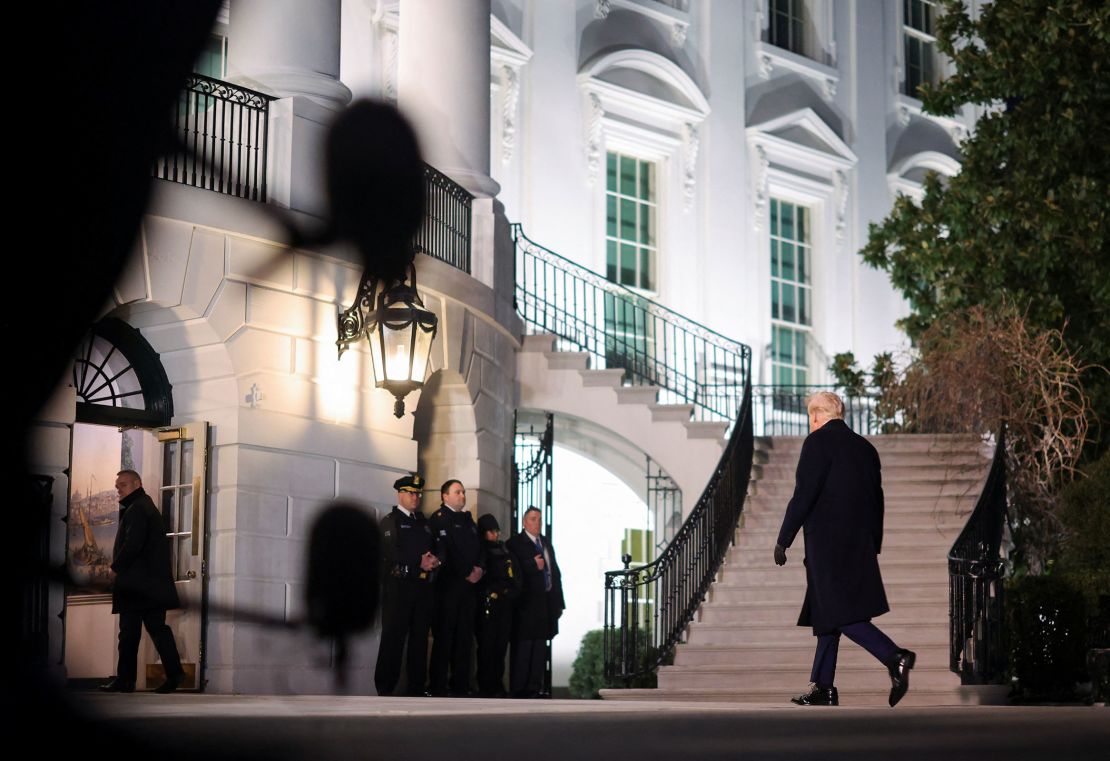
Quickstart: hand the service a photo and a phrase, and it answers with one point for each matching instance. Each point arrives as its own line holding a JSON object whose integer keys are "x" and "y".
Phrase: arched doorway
{"x": 124, "y": 411}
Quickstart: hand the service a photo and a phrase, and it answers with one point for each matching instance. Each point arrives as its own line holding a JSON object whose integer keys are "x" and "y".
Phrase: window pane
{"x": 647, "y": 181}
{"x": 803, "y": 224}
{"x": 786, "y": 256}
{"x": 628, "y": 219}
{"x": 789, "y": 308}
{"x": 780, "y": 30}
{"x": 182, "y": 549}
{"x": 647, "y": 225}
{"x": 803, "y": 307}
{"x": 611, "y": 216}
{"x": 628, "y": 176}
{"x": 774, "y": 258}
{"x": 611, "y": 260}
{"x": 775, "y": 300}
{"x": 184, "y": 510}
{"x": 646, "y": 280}
{"x": 786, "y": 220}
{"x": 187, "y": 462}
{"x": 169, "y": 463}
{"x": 628, "y": 265}
{"x": 800, "y": 377}
{"x": 168, "y": 509}
{"x": 774, "y": 216}
{"x": 611, "y": 171}
{"x": 799, "y": 348}
{"x": 803, "y": 264}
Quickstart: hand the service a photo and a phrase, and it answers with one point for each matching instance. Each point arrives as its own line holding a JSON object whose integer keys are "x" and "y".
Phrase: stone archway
{"x": 446, "y": 433}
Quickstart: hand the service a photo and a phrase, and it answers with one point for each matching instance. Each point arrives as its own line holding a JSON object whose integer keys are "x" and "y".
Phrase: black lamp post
{"x": 399, "y": 329}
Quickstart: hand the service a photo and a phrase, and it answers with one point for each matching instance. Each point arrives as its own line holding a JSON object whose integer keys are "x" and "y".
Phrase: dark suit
{"x": 406, "y": 602}
{"x": 838, "y": 504}
{"x": 498, "y": 587}
{"x": 535, "y": 615}
{"x": 458, "y": 549}
{"x": 144, "y": 589}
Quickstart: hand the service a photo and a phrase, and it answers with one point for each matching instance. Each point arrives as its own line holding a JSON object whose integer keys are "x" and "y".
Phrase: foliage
{"x": 1084, "y": 558}
{"x": 1048, "y": 638}
{"x": 847, "y": 374}
{"x": 1026, "y": 220}
{"x": 587, "y": 675}
{"x": 984, "y": 367}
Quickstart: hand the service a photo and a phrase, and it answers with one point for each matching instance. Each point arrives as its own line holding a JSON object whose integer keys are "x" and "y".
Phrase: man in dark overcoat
{"x": 143, "y": 587}
{"x": 408, "y": 571}
{"x": 537, "y": 610}
{"x": 838, "y": 505}
{"x": 458, "y": 548}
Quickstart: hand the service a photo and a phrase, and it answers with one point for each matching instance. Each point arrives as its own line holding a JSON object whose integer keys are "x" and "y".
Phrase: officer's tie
{"x": 546, "y": 569}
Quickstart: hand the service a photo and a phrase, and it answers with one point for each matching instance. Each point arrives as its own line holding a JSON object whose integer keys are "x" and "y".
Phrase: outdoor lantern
{"x": 400, "y": 331}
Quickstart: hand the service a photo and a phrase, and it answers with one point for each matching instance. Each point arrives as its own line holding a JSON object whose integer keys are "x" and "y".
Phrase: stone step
{"x": 763, "y": 570}
{"x": 602, "y": 378}
{"x": 568, "y": 360}
{"x": 909, "y": 635}
{"x": 786, "y": 613}
{"x": 780, "y": 471}
{"x": 890, "y": 443}
{"x": 869, "y": 676}
{"x": 745, "y": 557}
{"x": 897, "y": 489}
{"x": 544, "y": 342}
{"x": 914, "y": 590}
{"x": 679, "y": 412}
{"x": 913, "y": 535}
{"x": 849, "y": 655}
{"x": 855, "y": 698}
{"x": 706, "y": 429}
{"x": 762, "y": 516}
{"x": 645, "y": 395}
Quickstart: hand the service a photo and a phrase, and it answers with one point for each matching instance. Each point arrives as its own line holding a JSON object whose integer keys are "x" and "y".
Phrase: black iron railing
{"x": 445, "y": 234}
{"x": 647, "y": 608}
{"x": 620, "y": 328}
{"x": 781, "y": 410}
{"x": 221, "y": 135}
{"x": 975, "y": 583}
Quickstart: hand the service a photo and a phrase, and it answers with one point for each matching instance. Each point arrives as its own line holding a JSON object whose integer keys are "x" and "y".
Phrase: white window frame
{"x": 819, "y": 64}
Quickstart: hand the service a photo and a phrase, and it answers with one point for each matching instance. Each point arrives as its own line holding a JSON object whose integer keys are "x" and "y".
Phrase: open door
{"x": 182, "y": 498}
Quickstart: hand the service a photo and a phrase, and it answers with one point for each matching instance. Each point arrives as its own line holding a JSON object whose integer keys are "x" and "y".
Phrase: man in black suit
{"x": 538, "y": 608}
{"x": 408, "y": 571}
{"x": 458, "y": 547}
{"x": 143, "y": 588}
{"x": 838, "y": 502}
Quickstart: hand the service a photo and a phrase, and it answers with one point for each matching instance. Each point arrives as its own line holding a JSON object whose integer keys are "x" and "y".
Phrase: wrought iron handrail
{"x": 781, "y": 410}
{"x": 975, "y": 589}
{"x": 663, "y": 596}
{"x": 221, "y": 133}
{"x": 445, "y": 232}
{"x": 620, "y": 328}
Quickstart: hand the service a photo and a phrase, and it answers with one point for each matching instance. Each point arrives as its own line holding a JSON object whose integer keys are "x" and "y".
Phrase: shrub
{"x": 1048, "y": 639}
{"x": 587, "y": 676}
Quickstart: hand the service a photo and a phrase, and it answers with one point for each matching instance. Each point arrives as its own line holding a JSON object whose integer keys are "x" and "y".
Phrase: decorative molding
{"x": 766, "y": 66}
{"x": 934, "y": 161}
{"x": 691, "y": 143}
{"x": 770, "y": 57}
{"x": 510, "y": 96}
{"x": 843, "y": 193}
{"x": 761, "y": 175}
{"x": 594, "y": 116}
{"x": 602, "y": 9}
{"x": 678, "y": 33}
{"x": 388, "y": 23}
{"x": 654, "y": 65}
{"x": 909, "y": 107}
{"x": 903, "y": 116}
{"x": 255, "y": 397}
{"x": 829, "y": 88}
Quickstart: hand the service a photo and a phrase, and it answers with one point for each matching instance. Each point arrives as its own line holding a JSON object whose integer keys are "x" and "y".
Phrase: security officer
{"x": 408, "y": 573}
{"x": 458, "y": 548}
{"x": 499, "y": 585}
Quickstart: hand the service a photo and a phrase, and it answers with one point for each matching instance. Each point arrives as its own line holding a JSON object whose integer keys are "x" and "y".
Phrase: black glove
{"x": 780, "y": 555}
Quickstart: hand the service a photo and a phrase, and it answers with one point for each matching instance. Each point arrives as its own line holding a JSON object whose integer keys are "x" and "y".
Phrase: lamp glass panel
{"x": 421, "y": 353}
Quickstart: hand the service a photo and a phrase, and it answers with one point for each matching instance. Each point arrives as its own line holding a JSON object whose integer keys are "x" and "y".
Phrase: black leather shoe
{"x": 818, "y": 696}
{"x": 115, "y": 684}
{"x": 170, "y": 685}
{"x": 899, "y": 669}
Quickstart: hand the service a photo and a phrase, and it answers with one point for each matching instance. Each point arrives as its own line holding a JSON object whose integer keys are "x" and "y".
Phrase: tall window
{"x": 212, "y": 61}
{"x": 920, "y": 44}
{"x": 787, "y": 25}
{"x": 791, "y": 292}
{"x": 630, "y": 209}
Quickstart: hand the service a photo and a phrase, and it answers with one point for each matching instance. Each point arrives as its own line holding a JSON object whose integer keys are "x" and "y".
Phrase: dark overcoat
{"x": 838, "y": 505}
{"x": 536, "y": 612}
{"x": 141, "y": 558}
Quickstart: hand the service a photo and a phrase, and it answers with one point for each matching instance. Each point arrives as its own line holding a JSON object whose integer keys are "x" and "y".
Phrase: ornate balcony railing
{"x": 976, "y": 570}
{"x": 619, "y": 328}
{"x": 781, "y": 410}
{"x": 221, "y": 135}
{"x": 445, "y": 234}
{"x": 647, "y": 608}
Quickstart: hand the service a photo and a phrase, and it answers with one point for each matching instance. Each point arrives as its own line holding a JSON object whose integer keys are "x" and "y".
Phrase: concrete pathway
{"x": 334, "y": 727}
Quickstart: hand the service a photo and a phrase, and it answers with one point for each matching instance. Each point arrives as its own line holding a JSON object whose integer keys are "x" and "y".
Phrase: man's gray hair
{"x": 827, "y": 402}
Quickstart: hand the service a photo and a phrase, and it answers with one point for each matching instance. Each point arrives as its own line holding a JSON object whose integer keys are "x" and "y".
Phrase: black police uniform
{"x": 406, "y": 601}
{"x": 458, "y": 549}
{"x": 496, "y": 590}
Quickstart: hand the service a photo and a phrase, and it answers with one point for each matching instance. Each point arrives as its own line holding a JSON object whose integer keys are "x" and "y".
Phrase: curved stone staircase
{"x": 744, "y": 644}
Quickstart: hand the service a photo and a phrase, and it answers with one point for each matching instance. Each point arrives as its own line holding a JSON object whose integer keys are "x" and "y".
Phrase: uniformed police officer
{"x": 408, "y": 573}
{"x": 458, "y": 548}
{"x": 499, "y": 585}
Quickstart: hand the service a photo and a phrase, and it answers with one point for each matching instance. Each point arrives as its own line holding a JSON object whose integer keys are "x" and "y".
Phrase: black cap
{"x": 488, "y": 523}
{"x": 413, "y": 483}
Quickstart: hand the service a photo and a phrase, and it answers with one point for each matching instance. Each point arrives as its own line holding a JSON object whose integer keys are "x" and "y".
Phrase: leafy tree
{"x": 1025, "y": 220}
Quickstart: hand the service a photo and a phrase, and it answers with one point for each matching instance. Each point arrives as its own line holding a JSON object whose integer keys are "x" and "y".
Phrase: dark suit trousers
{"x": 130, "y": 630}
{"x": 493, "y": 641}
{"x": 454, "y": 636}
{"x": 526, "y": 671}
{"x": 863, "y": 633}
{"x": 406, "y": 613}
